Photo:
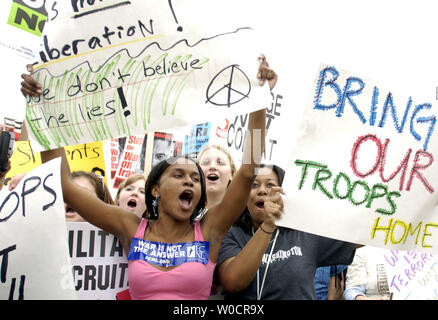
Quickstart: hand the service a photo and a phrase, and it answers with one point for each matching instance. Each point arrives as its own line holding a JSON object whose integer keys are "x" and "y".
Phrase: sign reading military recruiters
{"x": 100, "y": 267}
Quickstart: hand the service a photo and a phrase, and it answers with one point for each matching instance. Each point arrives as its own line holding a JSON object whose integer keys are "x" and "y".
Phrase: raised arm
{"x": 220, "y": 218}
{"x": 105, "y": 216}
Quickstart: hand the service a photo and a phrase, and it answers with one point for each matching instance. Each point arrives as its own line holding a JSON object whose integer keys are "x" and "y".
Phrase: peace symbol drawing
{"x": 230, "y": 86}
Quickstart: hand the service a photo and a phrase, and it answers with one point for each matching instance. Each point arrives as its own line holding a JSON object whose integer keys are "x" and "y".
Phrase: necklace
{"x": 260, "y": 289}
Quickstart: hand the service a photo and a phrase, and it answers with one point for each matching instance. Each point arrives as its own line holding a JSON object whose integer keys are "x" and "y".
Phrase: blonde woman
{"x": 219, "y": 169}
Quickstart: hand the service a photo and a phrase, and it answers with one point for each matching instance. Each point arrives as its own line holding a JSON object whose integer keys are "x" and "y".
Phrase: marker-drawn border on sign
{"x": 42, "y": 66}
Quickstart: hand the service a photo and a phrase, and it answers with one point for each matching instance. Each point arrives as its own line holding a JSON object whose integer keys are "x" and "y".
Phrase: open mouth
{"x": 212, "y": 177}
{"x": 260, "y": 204}
{"x": 185, "y": 199}
{"x": 132, "y": 204}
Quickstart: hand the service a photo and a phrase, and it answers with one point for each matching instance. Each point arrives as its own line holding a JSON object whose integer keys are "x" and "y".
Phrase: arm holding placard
{"x": 220, "y": 218}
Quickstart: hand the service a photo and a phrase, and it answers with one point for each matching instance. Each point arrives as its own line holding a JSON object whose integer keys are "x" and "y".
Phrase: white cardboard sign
{"x": 362, "y": 169}
{"x": 34, "y": 259}
{"x": 112, "y": 69}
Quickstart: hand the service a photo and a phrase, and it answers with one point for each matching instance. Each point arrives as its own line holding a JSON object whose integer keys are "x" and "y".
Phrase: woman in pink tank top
{"x": 170, "y": 256}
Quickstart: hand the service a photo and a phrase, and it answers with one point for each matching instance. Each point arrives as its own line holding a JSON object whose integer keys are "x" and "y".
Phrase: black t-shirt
{"x": 295, "y": 257}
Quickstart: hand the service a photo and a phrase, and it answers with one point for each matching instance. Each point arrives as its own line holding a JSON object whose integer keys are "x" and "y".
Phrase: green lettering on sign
{"x": 26, "y": 19}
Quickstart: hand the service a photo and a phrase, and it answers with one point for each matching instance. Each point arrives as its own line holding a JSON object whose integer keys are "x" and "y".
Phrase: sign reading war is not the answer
{"x": 363, "y": 167}
{"x": 111, "y": 70}
{"x": 34, "y": 259}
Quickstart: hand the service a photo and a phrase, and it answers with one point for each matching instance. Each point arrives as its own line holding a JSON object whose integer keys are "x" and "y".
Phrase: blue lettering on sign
{"x": 329, "y": 89}
{"x": 169, "y": 254}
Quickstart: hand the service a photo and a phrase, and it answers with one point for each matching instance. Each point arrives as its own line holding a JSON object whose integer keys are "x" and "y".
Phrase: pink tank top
{"x": 188, "y": 281}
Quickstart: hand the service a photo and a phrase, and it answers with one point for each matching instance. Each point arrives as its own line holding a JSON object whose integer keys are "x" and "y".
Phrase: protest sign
{"x": 113, "y": 150}
{"x": 33, "y": 244}
{"x": 230, "y": 132}
{"x": 30, "y": 16}
{"x": 87, "y": 157}
{"x": 161, "y": 147}
{"x": 100, "y": 267}
{"x": 131, "y": 159}
{"x": 120, "y": 69}
{"x": 412, "y": 275}
{"x": 198, "y": 137}
{"x": 362, "y": 169}
{"x": 23, "y": 159}
{"x": 129, "y": 155}
{"x": 20, "y": 22}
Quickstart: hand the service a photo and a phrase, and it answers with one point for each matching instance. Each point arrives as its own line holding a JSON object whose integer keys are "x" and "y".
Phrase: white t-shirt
{"x": 368, "y": 270}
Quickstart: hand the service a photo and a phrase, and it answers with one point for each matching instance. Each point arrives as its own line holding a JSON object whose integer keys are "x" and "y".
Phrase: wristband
{"x": 266, "y": 231}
